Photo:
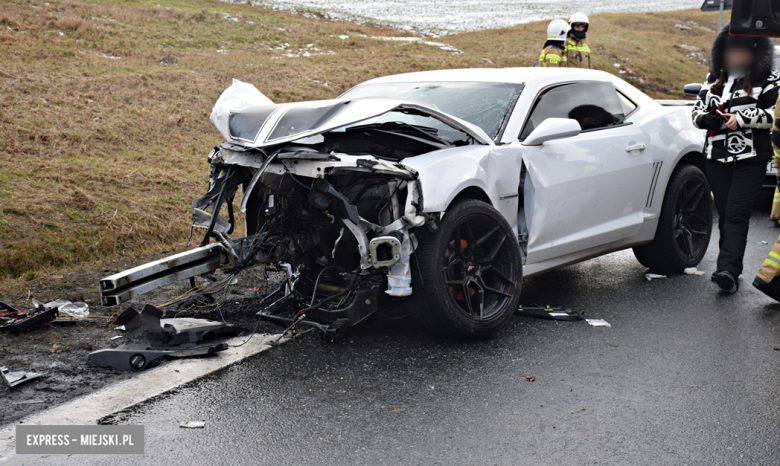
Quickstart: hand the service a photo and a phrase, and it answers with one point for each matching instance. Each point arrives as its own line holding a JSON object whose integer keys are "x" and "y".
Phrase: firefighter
{"x": 577, "y": 51}
{"x": 766, "y": 280}
{"x": 775, "y": 215}
{"x": 554, "y": 53}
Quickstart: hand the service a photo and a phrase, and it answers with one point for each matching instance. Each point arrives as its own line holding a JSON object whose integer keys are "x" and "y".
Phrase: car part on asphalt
{"x": 148, "y": 337}
{"x": 15, "y": 378}
{"x": 193, "y": 424}
{"x": 597, "y": 323}
{"x": 549, "y": 312}
{"x": 137, "y": 356}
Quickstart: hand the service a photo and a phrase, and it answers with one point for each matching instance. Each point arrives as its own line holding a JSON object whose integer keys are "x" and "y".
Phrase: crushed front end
{"x": 339, "y": 224}
{"x": 325, "y": 197}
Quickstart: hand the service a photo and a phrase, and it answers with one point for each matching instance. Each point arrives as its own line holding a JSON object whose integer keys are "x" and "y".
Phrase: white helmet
{"x": 579, "y": 18}
{"x": 557, "y": 30}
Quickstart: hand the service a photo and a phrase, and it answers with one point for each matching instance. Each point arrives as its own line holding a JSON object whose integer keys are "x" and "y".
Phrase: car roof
{"x": 498, "y": 75}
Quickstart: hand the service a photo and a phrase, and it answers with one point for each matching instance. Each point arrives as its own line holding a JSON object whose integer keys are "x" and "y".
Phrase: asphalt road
{"x": 685, "y": 375}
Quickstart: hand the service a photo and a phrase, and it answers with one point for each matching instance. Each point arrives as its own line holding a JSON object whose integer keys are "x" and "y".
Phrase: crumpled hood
{"x": 244, "y": 116}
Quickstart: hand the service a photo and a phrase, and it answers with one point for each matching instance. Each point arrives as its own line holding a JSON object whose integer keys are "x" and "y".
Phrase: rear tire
{"x": 467, "y": 274}
{"x": 685, "y": 224}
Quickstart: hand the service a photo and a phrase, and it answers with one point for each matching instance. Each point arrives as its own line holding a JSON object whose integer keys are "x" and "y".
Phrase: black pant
{"x": 735, "y": 186}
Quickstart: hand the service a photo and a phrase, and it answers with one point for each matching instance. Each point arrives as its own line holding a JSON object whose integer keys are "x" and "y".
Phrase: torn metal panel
{"x": 15, "y": 378}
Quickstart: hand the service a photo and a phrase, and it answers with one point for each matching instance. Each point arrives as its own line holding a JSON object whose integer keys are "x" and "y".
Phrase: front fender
{"x": 446, "y": 173}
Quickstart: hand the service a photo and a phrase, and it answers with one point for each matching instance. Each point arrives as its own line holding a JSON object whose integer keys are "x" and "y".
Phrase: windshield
{"x": 423, "y": 125}
{"x": 486, "y": 105}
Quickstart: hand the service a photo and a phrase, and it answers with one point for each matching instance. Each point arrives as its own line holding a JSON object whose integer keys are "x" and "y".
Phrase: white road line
{"x": 122, "y": 395}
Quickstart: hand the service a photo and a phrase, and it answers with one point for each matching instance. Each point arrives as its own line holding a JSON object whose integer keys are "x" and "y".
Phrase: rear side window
{"x": 628, "y": 105}
{"x": 594, "y": 105}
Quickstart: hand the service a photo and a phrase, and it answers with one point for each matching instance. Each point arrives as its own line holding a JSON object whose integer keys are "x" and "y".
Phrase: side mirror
{"x": 553, "y": 128}
{"x": 692, "y": 90}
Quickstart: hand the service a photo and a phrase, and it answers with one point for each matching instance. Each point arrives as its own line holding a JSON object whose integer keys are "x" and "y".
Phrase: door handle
{"x": 634, "y": 147}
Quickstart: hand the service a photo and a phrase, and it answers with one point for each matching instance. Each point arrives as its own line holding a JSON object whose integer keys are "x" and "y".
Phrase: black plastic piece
{"x": 40, "y": 317}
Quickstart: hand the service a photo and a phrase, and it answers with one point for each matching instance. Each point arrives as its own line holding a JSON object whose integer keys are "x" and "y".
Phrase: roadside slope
{"x": 104, "y": 106}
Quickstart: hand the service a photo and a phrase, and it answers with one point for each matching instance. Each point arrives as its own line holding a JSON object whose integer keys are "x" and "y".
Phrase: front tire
{"x": 685, "y": 224}
{"x": 467, "y": 274}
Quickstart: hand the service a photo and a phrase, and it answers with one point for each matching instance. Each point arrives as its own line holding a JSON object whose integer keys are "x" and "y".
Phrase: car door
{"x": 588, "y": 190}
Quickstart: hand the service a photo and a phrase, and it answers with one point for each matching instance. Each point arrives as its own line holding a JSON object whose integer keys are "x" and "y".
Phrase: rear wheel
{"x": 685, "y": 224}
{"x": 467, "y": 274}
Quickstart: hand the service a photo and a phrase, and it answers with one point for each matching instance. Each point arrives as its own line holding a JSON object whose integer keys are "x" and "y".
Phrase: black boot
{"x": 727, "y": 281}
{"x": 771, "y": 289}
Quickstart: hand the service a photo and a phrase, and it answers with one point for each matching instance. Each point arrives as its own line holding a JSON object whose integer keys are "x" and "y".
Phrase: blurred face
{"x": 578, "y": 27}
{"x": 738, "y": 58}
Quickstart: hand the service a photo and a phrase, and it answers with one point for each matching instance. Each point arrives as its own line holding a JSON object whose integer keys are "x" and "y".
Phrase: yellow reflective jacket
{"x": 552, "y": 56}
{"x": 577, "y": 53}
{"x": 776, "y": 134}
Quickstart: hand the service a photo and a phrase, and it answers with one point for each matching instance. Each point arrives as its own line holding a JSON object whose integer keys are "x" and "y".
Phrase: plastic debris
{"x": 193, "y": 424}
{"x": 693, "y": 271}
{"x": 548, "y": 312}
{"x": 597, "y": 323}
{"x": 147, "y": 337}
{"x": 15, "y": 378}
{"x": 78, "y": 310}
{"x": 651, "y": 276}
{"x": 764, "y": 242}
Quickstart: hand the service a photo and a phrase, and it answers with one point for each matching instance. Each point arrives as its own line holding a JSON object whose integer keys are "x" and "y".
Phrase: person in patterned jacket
{"x": 736, "y": 106}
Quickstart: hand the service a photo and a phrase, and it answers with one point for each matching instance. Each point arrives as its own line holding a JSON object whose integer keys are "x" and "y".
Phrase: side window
{"x": 594, "y": 105}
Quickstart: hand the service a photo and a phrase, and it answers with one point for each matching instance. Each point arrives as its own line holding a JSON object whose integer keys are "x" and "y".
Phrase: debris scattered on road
{"x": 15, "y": 378}
{"x": 693, "y": 271}
{"x": 193, "y": 425}
{"x": 530, "y": 378}
{"x": 597, "y": 323}
{"x": 548, "y": 312}
{"x": 777, "y": 349}
{"x": 764, "y": 242}
{"x": 651, "y": 276}
{"x": 18, "y": 321}
{"x": 147, "y": 337}
{"x": 612, "y": 345}
{"x": 78, "y": 309}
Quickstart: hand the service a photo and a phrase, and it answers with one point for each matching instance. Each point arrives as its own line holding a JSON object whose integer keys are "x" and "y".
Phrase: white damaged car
{"x": 443, "y": 189}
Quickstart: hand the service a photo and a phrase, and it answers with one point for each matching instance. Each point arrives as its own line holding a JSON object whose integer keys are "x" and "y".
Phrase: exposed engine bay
{"x": 340, "y": 224}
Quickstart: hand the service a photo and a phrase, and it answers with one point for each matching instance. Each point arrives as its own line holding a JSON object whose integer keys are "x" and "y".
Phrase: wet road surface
{"x": 685, "y": 375}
